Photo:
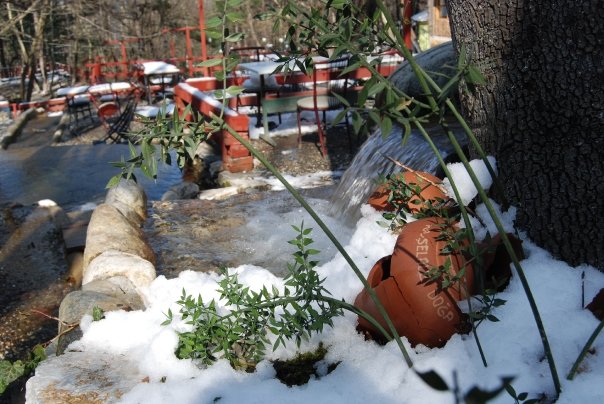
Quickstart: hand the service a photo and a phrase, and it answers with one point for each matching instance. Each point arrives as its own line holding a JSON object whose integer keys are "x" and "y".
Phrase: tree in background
{"x": 27, "y": 28}
{"x": 541, "y": 113}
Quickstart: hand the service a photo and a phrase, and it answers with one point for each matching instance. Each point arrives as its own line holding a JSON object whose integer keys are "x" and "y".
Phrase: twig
{"x": 52, "y": 317}
{"x": 418, "y": 173}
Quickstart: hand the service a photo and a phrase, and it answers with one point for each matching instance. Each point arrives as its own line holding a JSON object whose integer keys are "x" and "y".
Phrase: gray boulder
{"x": 79, "y": 303}
{"x": 184, "y": 190}
{"x": 108, "y": 230}
{"x": 119, "y": 287}
{"x": 137, "y": 270}
{"x": 130, "y": 199}
{"x": 82, "y": 377}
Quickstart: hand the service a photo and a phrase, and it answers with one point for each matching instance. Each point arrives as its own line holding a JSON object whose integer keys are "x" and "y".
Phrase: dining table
{"x": 264, "y": 70}
{"x": 158, "y": 73}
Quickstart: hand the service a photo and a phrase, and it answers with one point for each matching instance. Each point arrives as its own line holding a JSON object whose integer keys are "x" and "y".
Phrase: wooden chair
{"x": 327, "y": 80}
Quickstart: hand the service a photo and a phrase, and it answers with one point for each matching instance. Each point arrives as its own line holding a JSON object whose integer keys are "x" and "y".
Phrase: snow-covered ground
{"x": 367, "y": 372}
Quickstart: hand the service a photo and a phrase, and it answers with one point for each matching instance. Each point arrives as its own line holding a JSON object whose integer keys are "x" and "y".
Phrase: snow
{"x": 109, "y": 87}
{"x": 159, "y": 67}
{"x": 461, "y": 177}
{"x": 152, "y": 111}
{"x": 72, "y": 90}
{"x": 367, "y": 372}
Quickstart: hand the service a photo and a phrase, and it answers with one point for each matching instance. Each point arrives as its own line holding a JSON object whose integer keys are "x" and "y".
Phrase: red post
{"x": 172, "y": 49}
{"x": 189, "y": 52}
{"x": 124, "y": 59}
{"x": 407, "y": 14}
{"x": 202, "y": 29}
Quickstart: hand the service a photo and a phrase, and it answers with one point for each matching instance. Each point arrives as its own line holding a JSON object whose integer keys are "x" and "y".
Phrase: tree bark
{"x": 541, "y": 114}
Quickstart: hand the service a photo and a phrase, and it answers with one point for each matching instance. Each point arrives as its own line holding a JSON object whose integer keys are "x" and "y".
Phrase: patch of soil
{"x": 32, "y": 269}
{"x": 298, "y": 371}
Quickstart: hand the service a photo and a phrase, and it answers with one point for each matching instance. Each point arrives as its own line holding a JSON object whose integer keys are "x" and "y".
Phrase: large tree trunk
{"x": 542, "y": 113}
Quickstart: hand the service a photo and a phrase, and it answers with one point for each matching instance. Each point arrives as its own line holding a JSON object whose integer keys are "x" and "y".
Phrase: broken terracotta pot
{"x": 379, "y": 198}
{"x": 597, "y": 305}
{"x": 496, "y": 261}
{"x": 420, "y": 310}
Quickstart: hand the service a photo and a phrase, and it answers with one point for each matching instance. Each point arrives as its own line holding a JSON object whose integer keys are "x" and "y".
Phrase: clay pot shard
{"x": 429, "y": 191}
{"x": 597, "y": 305}
{"x": 496, "y": 261}
{"x": 424, "y": 312}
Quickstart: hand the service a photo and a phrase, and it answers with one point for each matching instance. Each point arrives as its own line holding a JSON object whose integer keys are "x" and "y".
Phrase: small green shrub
{"x": 241, "y": 335}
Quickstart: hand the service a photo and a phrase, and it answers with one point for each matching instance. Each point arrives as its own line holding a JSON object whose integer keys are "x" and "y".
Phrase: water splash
{"x": 359, "y": 180}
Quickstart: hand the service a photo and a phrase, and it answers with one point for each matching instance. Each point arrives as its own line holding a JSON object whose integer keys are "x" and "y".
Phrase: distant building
{"x": 432, "y": 23}
{"x": 440, "y": 30}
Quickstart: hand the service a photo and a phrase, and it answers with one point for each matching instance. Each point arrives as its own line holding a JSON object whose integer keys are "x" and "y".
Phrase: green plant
{"x": 241, "y": 335}
{"x": 456, "y": 242}
{"x": 585, "y": 350}
{"x": 519, "y": 397}
{"x": 11, "y": 371}
{"x": 298, "y": 370}
{"x": 404, "y": 196}
{"x": 97, "y": 313}
{"x": 488, "y": 301}
{"x": 157, "y": 139}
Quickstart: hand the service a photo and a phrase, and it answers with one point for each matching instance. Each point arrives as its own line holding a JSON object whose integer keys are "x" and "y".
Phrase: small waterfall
{"x": 359, "y": 180}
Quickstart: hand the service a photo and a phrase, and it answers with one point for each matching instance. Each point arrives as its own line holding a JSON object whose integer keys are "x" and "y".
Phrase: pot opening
{"x": 386, "y": 267}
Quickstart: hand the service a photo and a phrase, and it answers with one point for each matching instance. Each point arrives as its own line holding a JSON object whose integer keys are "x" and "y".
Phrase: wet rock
{"x": 112, "y": 263}
{"x": 130, "y": 199}
{"x": 240, "y": 180}
{"x": 81, "y": 377}
{"x": 119, "y": 287}
{"x": 79, "y": 303}
{"x": 218, "y": 193}
{"x": 184, "y": 190}
{"x": 108, "y": 230}
{"x": 439, "y": 62}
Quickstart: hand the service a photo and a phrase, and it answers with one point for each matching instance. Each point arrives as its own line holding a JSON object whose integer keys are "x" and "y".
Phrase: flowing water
{"x": 359, "y": 180}
{"x": 69, "y": 175}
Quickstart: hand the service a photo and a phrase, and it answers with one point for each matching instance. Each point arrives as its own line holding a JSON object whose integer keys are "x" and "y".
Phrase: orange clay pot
{"x": 418, "y": 310}
{"x": 379, "y": 199}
